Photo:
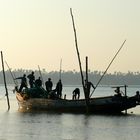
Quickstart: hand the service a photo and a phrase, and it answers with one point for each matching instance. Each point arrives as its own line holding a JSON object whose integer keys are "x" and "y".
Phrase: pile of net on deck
{"x": 39, "y": 92}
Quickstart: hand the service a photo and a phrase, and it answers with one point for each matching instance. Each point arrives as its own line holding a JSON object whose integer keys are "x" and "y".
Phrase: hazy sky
{"x": 39, "y": 32}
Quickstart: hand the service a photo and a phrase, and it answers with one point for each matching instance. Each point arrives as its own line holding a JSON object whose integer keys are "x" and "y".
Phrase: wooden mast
{"x": 76, "y": 44}
{"x": 86, "y": 68}
{"x": 125, "y": 94}
{"x": 41, "y": 75}
{"x": 86, "y": 83}
{"x": 5, "y": 81}
{"x": 60, "y": 69}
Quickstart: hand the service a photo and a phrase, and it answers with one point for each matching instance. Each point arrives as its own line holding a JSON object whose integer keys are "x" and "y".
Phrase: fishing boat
{"x": 109, "y": 104}
{"x": 40, "y": 100}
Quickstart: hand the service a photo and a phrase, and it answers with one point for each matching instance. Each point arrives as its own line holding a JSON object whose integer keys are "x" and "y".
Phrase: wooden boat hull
{"x": 109, "y": 104}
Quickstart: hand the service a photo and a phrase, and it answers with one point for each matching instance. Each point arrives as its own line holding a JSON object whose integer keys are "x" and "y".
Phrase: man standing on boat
{"x": 31, "y": 78}
{"x": 49, "y": 85}
{"x": 59, "y": 89}
{"x": 23, "y": 82}
{"x": 38, "y": 82}
{"x": 88, "y": 86}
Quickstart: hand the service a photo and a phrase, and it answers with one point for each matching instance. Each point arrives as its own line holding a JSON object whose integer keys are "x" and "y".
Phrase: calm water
{"x": 15, "y": 125}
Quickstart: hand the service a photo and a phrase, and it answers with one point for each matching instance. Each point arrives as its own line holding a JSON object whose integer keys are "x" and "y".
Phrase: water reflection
{"x": 16, "y": 125}
{"x": 52, "y": 126}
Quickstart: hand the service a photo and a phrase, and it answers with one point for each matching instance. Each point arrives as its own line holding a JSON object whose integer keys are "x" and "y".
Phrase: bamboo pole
{"x": 86, "y": 68}
{"x": 86, "y": 90}
{"x": 5, "y": 81}
{"x": 125, "y": 94}
{"x": 60, "y": 69}
{"x": 13, "y": 76}
{"x": 41, "y": 75}
{"x": 79, "y": 60}
{"x": 108, "y": 67}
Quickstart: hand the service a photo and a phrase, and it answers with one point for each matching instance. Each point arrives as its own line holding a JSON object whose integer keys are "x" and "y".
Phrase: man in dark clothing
{"x": 23, "y": 82}
{"x": 31, "y": 78}
{"x": 118, "y": 91}
{"x": 76, "y": 94}
{"x": 38, "y": 82}
{"x": 88, "y": 86}
{"x": 49, "y": 85}
{"x": 59, "y": 89}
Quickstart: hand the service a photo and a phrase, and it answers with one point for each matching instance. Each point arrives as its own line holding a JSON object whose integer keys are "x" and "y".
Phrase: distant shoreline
{"x": 74, "y": 78}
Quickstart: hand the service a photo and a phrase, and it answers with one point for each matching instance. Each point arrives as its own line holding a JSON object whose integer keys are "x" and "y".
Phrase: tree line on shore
{"x": 74, "y": 78}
